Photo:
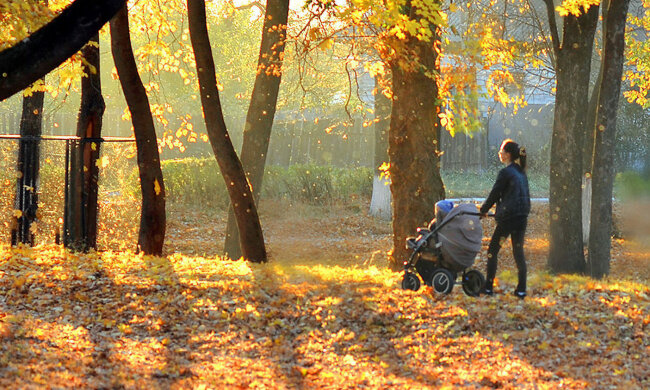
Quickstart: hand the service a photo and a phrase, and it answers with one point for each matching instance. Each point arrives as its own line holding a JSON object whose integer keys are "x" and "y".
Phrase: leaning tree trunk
{"x": 26, "y": 201}
{"x": 152, "y": 219}
{"x": 81, "y": 216}
{"x": 239, "y": 189}
{"x": 41, "y": 52}
{"x": 380, "y": 201}
{"x": 261, "y": 111}
{"x": 566, "y": 252}
{"x": 416, "y": 184}
{"x": 600, "y": 237}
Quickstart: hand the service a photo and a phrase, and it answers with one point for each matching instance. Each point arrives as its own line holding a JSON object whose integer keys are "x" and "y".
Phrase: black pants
{"x": 516, "y": 229}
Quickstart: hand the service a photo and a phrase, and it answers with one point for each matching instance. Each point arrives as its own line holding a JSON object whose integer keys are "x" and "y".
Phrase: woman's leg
{"x": 517, "y": 238}
{"x": 499, "y": 235}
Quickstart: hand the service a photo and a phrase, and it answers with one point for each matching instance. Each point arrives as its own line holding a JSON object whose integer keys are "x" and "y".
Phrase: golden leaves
{"x": 316, "y": 320}
{"x": 575, "y": 7}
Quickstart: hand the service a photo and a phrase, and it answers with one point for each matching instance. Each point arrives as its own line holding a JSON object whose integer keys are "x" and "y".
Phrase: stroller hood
{"x": 461, "y": 236}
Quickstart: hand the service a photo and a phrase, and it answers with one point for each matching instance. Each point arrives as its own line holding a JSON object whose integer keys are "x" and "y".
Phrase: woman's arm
{"x": 497, "y": 191}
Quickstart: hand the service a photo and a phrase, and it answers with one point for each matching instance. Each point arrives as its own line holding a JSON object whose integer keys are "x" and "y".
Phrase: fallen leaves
{"x": 116, "y": 319}
{"x": 119, "y": 319}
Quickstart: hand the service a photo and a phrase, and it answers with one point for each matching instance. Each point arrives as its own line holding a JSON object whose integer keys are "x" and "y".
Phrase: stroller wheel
{"x": 473, "y": 282}
{"x": 410, "y": 282}
{"x": 442, "y": 281}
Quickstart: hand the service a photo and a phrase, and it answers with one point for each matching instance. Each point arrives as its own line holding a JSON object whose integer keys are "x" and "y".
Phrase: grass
{"x": 470, "y": 184}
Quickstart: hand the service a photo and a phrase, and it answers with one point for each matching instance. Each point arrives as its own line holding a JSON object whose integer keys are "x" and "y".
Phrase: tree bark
{"x": 600, "y": 238}
{"x": 152, "y": 220}
{"x": 261, "y": 111}
{"x": 380, "y": 201}
{"x": 239, "y": 189}
{"x": 26, "y": 201}
{"x": 416, "y": 184}
{"x": 566, "y": 252}
{"x": 81, "y": 223}
{"x": 590, "y": 137}
{"x": 41, "y": 52}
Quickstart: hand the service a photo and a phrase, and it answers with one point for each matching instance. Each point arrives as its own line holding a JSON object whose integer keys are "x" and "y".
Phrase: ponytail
{"x": 522, "y": 158}
{"x": 517, "y": 153}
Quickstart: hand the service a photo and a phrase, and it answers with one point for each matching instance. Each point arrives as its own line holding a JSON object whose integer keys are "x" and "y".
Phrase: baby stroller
{"x": 447, "y": 247}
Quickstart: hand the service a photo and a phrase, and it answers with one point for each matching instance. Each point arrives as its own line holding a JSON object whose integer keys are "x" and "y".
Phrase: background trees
{"x": 489, "y": 53}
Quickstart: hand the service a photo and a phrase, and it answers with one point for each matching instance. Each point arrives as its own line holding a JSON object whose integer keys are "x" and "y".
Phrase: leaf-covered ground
{"x": 324, "y": 313}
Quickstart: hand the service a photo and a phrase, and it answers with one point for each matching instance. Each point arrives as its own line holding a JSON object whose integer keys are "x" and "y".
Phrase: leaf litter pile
{"x": 325, "y": 312}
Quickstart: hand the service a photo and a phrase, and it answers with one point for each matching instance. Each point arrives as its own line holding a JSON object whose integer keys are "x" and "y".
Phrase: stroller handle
{"x": 477, "y": 214}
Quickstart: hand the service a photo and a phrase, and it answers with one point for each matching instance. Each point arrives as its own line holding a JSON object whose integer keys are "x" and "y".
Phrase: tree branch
{"x": 552, "y": 25}
{"x": 44, "y": 50}
{"x": 255, "y": 4}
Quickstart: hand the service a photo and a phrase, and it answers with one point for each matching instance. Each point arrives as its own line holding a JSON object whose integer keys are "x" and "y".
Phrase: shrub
{"x": 199, "y": 181}
{"x": 194, "y": 181}
{"x": 631, "y": 184}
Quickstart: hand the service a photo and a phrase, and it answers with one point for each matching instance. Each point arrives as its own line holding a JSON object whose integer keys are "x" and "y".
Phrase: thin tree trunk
{"x": 600, "y": 238}
{"x": 239, "y": 189}
{"x": 152, "y": 220}
{"x": 26, "y": 201}
{"x": 261, "y": 111}
{"x": 416, "y": 184}
{"x": 566, "y": 252}
{"x": 41, "y": 52}
{"x": 381, "y": 200}
{"x": 81, "y": 223}
{"x": 590, "y": 136}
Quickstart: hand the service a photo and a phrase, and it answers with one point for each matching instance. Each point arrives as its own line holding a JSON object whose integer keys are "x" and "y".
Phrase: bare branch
{"x": 552, "y": 24}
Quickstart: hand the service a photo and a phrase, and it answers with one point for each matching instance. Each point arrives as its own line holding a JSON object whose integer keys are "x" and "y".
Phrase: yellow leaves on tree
{"x": 575, "y": 7}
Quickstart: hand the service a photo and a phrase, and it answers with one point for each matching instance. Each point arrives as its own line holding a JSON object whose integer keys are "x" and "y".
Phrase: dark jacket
{"x": 511, "y": 194}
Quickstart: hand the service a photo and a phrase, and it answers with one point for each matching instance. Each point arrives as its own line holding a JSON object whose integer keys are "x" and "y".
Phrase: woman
{"x": 512, "y": 197}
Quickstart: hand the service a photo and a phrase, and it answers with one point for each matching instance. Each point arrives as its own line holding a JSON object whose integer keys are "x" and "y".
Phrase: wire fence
{"x": 118, "y": 190}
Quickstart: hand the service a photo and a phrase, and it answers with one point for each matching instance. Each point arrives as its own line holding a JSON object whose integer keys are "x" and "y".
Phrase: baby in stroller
{"x": 447, "y": 247}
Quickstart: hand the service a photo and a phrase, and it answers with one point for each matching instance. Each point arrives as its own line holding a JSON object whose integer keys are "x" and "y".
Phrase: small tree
{"x": 380, "y": 202}
{"x": 26, "y": 201}
{"x": 81, "y": 222}
{"x": 605, "y": 137}
{"x": 261, "y": 111}
{"x": 239, "y": 189}
{"x": 152, "y": 219}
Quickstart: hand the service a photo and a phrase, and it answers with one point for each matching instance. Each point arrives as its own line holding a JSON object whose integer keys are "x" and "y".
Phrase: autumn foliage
{"x": 322, "y": 314}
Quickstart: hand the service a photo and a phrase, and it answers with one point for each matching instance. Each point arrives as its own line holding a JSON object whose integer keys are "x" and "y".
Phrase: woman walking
{"x": 512, "y": 197}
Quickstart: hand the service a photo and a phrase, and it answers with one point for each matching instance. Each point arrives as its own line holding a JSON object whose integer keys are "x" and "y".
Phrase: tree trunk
{"x": 590, "y": 137}
{"x": 41, "y": 52}
{"x": 380, "y": 201}
{"x": 600, "y": 238}
{"x": 239, "y": 189}
{"x": 416, "y": 184}
{"x": 26, "y": 201}
{"x": 261, "y": 111}
{"x": 152, "y": 220}
{"x": 566, "y": 252}
{"x": 81, "y": 221}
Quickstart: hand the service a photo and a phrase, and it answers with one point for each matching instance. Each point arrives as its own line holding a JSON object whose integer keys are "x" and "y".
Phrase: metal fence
{"x": 118, "y": 189}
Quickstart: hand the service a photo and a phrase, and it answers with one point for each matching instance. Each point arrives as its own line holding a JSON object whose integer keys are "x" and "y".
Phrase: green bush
{"x": 194, "y": 181}
{"x": 469, "y": 184}
{"x": 199, "y": 181}
{"x": 631, "y": 184}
